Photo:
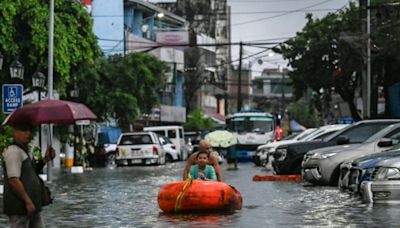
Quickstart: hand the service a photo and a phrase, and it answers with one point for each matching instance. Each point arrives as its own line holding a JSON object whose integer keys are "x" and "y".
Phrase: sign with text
{"x": 12, "y": 97}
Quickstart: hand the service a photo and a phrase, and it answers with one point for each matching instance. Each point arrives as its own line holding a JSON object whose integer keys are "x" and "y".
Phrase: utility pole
{"x": 50, "y": 83}
{"x": 281, "y": 70}
{"x": 239, "y": 99}
{"x": 366, "y": 56}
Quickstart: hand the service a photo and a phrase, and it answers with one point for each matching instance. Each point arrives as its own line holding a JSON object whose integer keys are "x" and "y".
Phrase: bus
{"x": 251, "y": 128}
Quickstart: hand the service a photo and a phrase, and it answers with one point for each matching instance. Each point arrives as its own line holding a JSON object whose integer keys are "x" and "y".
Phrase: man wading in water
{"x": 213, "y": 160}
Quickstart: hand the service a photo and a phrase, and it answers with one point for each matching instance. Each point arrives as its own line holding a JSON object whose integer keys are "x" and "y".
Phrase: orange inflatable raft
{"x": 198, "y": 196}
{"x": 296, "y": 178}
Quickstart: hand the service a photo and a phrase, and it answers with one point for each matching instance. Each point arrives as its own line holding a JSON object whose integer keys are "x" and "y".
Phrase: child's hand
{"x": 201, "y": 175}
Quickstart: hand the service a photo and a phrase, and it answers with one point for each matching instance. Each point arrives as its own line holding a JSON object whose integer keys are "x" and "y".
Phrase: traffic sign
{"x": 12, "y": 97}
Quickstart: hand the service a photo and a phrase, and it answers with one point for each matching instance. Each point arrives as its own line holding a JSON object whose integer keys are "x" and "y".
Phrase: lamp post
{"x": 74, "y": 93}
{"x": 38, "y": 81}
{"x": 17, "y": 70}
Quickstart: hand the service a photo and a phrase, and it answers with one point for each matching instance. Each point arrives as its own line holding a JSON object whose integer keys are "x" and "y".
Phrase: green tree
{"x": 24, "y": 34}
{"x": 197, "y": 122}
{"x": 327, "y": 54}
{"x": 304, "y": 112}
{"x": 323, "y": 60}
{"x": 124, "y": 86}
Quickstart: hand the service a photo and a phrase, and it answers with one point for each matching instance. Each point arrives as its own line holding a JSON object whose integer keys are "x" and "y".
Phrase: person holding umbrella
{"x": 22, "y": 187}
{"x": 204, "y": 146}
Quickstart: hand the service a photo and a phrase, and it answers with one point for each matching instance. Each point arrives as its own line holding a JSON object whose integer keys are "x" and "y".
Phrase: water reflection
{"x": 200, "y": 219}
{"x": 127, "y": 197}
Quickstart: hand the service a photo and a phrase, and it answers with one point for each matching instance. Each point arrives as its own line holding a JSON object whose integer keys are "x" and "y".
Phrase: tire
{"x": 110, "y": 159}
{"x": 297, "y": 168}
{"x": 168, "y": 158}
{"x": 334, "y": 181}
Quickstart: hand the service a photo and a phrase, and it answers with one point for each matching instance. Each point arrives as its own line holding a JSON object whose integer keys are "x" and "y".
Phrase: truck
{"x": 252, "y": 129}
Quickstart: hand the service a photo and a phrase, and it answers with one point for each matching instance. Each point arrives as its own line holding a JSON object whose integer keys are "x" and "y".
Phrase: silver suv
{"x": 139, "y": 148}
{"x": 322, "y": 166}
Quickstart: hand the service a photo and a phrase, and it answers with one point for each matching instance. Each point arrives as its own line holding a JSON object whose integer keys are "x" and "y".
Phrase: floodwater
{"x": 127, "y": 197}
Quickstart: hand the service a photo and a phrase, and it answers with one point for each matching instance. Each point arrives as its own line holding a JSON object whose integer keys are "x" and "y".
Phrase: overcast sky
{"x": 273, "y": 20}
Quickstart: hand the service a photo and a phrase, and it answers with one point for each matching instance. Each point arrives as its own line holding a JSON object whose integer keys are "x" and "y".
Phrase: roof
{"x": 153, "y": 8}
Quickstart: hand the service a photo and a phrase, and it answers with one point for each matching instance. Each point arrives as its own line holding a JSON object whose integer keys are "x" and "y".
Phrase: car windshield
{"x": 359, "y": 133}
{"x": 384, "y": 133}
{"x": 305, "y": 133}
{"x": 135, "y": 139}
{"x": 250, "y": 125}
{"x": 291, "y": 136}
{"x": 167, "y": 140}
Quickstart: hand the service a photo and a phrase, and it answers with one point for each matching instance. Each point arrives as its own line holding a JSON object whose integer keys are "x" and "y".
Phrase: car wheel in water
{"x": 110, "y": 160}
{"x": 168, "y": 158}
{"x": 334, "y": 181}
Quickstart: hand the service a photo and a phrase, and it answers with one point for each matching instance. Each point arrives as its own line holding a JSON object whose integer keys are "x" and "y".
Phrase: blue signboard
{"x": 12, "y": 97}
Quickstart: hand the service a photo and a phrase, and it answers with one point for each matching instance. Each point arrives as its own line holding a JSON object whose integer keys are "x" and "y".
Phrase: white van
{"x": 176, "y": 134}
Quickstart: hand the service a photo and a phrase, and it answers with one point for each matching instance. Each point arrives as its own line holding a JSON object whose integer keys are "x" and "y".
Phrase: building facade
{"x": 272, "y": 91}
{"x": 128, "y": 26}
{"x": 209, "y": 24}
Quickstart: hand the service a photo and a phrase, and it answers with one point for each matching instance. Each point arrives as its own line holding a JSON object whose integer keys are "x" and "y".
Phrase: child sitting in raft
{"x": 202, "y": 170}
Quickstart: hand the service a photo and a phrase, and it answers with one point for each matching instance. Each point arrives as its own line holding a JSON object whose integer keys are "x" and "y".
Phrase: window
{"x": 324, "y": 135}
{"x": 171, "y": 134}
{"x": 362, "y": 132}
{"x": 160, "y": 132}
{"x": 135, "y": 139}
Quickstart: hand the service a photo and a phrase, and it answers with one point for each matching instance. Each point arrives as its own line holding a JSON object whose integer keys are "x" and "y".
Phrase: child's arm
{"x": 210, "y": 174}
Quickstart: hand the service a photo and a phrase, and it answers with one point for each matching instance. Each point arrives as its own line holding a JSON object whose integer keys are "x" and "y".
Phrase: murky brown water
{"x": 127, "y": 197}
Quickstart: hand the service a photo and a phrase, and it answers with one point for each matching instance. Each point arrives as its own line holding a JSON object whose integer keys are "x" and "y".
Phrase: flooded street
{"x": 127, "y": 197}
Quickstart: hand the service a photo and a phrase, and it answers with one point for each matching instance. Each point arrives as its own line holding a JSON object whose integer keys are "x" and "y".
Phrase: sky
{"x": 272, "y": 21}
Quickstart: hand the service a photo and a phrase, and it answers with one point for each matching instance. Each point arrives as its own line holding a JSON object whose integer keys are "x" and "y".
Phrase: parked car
{"x": 384, "y": 184}
{"x": 288, "y": 158}
{"x": 107, "y": 138}
{"x": 322, "y": 166}
{"x": 170, "y": 149}
{"x": 263, "y": 151}
{"x": 175, "y": 134}
{"x": 352, "y": 173}
{"x": 139, "y": 148}
{"x": 261, "y": 155}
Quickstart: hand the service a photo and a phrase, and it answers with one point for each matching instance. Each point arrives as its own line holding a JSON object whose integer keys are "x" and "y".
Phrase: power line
{"x": 281, "y": 11}
{"x": 151, "y": 45}
{"x": 279, "y": 15}
{"x": 239, "y": 13}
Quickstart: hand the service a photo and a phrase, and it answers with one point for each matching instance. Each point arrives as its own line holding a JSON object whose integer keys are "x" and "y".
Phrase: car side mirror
{"x": 343, "y": 139}
{"x": 384, "y": 142}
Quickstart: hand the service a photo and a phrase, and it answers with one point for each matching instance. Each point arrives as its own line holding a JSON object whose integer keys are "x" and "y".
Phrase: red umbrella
{"x": 50, "y": 112}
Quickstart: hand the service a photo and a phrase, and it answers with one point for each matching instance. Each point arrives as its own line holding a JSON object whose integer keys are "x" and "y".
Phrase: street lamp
{"x": 74, "y": 92}
{"x": 38, "y": 81}
{"x": 17, "y": 70}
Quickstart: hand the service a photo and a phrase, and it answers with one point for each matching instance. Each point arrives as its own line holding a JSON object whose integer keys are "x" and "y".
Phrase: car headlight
{"x": 384, "y": 173}
{"x": 280, "y": 154}
{"x": 366, "y": 174}
{"x": 322, "y": 156}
